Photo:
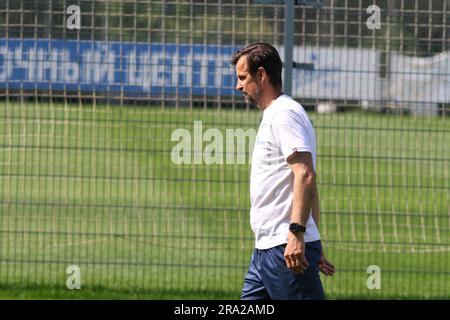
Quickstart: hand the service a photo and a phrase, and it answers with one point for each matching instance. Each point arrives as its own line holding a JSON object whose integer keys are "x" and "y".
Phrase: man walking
{"x": 284, "y": 212}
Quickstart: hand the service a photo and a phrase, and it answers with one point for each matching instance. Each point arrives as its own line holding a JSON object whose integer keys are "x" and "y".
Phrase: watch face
{"x": 295, "y": 227}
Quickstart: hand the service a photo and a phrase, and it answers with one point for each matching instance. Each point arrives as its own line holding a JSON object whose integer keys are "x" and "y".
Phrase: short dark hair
{"x": 261, "y": 54}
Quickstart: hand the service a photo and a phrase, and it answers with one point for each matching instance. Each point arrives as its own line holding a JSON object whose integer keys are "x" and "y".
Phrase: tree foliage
{"x": 413, "y": 27}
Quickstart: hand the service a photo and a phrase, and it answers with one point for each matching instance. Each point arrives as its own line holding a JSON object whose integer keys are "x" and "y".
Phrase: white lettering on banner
{"x": 132, "y": 78}
{"x": 217, "y": 69}
{"x": 41, "y": 65}
{"x": 157, "y": 69}
{"x": 186, "y": 69}
{"x": 17, "y": 61}
{"x": 146, "y": 67}
{"x": 193, "y": 69}
{"x": 203, "y": 70}
{"x": 31, "y": 65}
{"x": 46, "y": 61}
{"x": 96, "y": 69}
{"x": 97, "y": 65}
{"x": 174, "y": 63}
{"x": 6, "y": 56}
{"x": 143, "y": 75}
{"x": 37, "y": 57}
{"x": 138, "y": 76}
{"x": 70, "y": 71}
{"x": 222, "y": 69}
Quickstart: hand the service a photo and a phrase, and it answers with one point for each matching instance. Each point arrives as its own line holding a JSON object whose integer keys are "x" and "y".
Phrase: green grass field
{"x": 95, "y": 186}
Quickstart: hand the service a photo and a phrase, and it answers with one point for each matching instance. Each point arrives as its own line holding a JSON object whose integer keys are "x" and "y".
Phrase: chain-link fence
{"x": 102, "y": 102}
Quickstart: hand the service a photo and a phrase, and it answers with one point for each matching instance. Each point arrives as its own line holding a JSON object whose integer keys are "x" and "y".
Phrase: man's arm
{"x": 304, "y": 186}
{"x": 303, "y": 196}
{"x": 305, "y": 202}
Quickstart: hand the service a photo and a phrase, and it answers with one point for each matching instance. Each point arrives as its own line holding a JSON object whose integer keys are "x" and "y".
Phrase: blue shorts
{"x": 268, "y": 276}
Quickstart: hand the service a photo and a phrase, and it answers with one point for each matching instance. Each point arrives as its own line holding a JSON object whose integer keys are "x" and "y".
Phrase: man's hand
{"x": 325, "y": 266}
{"x": 294, "y": 254}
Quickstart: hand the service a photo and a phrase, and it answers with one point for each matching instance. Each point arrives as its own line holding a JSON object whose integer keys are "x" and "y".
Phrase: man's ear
{"x": 262, "y": 74}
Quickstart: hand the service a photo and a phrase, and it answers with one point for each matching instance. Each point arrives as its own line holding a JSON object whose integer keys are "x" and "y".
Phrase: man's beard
{"x": 255, "y": 99}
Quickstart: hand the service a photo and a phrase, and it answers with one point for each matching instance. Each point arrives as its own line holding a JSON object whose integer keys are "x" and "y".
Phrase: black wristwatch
{"x": 295, "y": 227}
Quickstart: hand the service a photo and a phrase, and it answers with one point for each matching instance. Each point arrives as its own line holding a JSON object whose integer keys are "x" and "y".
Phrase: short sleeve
{"x": 291, "y": 132}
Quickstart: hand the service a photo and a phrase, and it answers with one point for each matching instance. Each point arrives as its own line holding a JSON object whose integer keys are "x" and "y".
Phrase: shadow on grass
{"x": 14, "y": 292}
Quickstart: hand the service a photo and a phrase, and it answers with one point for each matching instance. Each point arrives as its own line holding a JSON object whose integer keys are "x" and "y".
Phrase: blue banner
{"x": 128, "y": 67}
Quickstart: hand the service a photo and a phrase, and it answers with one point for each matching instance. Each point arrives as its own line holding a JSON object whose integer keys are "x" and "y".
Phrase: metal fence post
{"x": 288, "y": 45}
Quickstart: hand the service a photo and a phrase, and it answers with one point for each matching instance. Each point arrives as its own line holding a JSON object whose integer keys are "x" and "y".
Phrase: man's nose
{"x": 239, "y": 86}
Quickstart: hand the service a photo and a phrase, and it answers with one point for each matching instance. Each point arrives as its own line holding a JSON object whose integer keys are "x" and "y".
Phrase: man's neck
{"x": 271, "y": 97}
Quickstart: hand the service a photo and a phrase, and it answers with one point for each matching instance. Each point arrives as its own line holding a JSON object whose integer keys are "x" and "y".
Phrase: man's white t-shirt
{"x": 285, "y": 128}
